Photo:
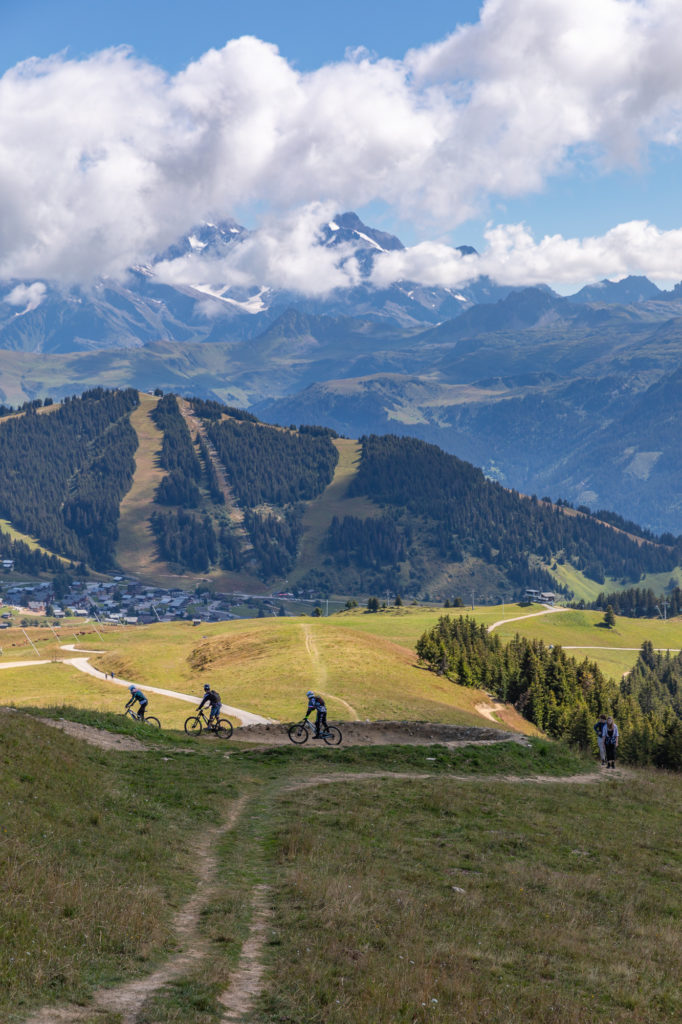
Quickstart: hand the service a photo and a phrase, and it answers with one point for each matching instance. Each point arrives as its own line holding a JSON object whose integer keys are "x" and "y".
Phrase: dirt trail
{"x": 320, "y": 670}
{"x": 520, "y": 618}
{"x": 95, "y": 737}
{"x": 359, "y": 733}
{"x": 127, "y": 999}
{"x": 245, "y": 717}
{"x": 489, "y": 711}
{"x": 247, "y": 981}
{"x": 323, "y": 780}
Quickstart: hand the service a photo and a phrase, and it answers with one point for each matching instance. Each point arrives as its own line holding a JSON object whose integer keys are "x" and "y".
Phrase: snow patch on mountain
{"x": 252, "y": 305}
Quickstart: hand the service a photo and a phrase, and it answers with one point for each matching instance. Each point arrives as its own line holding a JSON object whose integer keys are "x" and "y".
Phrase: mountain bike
{"x": 147, "y": 720}
{"x": 303, "y": 730}
{"x": 222, "y": 727}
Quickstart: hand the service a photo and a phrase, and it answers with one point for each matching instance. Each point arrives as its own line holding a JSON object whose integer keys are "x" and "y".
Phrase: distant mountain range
{"x": 574, "y": 397}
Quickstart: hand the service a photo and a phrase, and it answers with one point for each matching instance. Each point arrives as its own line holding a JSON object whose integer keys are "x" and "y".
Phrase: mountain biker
{"x": 136, "y": 694}
{"x": 213, "y": 698}
{"x": 316, "y": 703}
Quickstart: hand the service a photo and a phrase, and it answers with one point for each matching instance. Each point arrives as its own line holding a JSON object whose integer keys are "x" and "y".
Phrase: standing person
{"x": 610, "y": 742}
{"x": 316, "y": 703}
{"x": 136, "y": 694}
{"x": 211, "y": 697}
{"x": 599, "y": 727}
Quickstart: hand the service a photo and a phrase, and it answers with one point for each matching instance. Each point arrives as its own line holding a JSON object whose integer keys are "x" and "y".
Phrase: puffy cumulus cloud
{"x": 105, "y": 160}
{"x": 534, "y": 79}
{"x": 514, "y": 257}
{"x": 285, "y": 253}
{"x": 27, "y": 295}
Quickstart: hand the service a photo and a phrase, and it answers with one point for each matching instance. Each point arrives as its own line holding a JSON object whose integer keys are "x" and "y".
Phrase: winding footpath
{"x": 244, "y": 983}
{"x": 82, "y": 664}
{"x": 521, "y": 618}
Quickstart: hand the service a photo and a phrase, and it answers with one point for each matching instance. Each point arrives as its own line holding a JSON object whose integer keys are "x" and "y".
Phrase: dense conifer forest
{"x": 562, "y": 696}
{"x": 65, "y": 472}
{"x": 278, "y": 469}
{"x": 267, "y": 465}
{"x": 180, "y": 485}
{"x": 207, "y": 409}
{"x": 275, "y": 540}
{"x": 466, "y": 514}
{"x": 367, "y": 543}
{"x": 212, "y": 481}
{"x": 186, "y": 539}
{"x": 196, "y": 540}
{"x": 65, "y": 469}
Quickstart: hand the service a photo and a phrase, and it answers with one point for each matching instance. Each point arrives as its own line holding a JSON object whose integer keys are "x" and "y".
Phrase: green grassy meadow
{"x": 401, "y": 884}
{"x": 575, "y": 628}
{"x": 266, "y": 666}
{"x": 364, "y": 664}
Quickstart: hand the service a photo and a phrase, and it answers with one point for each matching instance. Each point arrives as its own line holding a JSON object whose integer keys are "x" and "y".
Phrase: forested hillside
{"x": 269, "y": 472}
{"x": 64, "y": 473}
{"x": 407, "y": 517}
{"x": 272, "y": 472}
{"x": 192, "y": 528}
{"x": 462, "y": 515}
{"x": 562, "y": 696}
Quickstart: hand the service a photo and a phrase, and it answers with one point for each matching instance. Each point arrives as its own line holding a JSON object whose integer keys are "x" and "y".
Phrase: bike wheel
{"x": 224, "y": 728}
{"x": 332, "y": 737}
{"x": 150, "y": 720}
{"x": 298, "y": 733}
{"x": 193, "y": 726}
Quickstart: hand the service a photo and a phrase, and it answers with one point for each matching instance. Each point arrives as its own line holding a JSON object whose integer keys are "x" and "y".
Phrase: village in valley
{"x": 124, "y": 601}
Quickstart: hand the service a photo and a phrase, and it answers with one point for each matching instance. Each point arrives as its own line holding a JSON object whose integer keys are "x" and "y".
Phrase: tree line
{"x": 187, "y": 538}
{"x": 641, "y": 603}
{"x": 275, "y": 540}
{"x": 561, "y": 695}
{"x": 208, "y": 409}
{"x": 26, "y": 559}
{"x": 190, "y": 540}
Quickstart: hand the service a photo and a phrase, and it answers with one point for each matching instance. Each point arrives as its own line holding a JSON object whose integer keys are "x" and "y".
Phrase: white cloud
{"x": 514, "y": 257}
{"x": 284, "y": 254}
{"x": 105, "y": 160}
{"x": 27, "y": 295}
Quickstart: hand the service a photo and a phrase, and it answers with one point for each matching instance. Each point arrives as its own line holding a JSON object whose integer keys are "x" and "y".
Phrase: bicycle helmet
{"x": 131, "y": 688}
{"x": 310, "y": 693}
{"x": 206, "y": 687}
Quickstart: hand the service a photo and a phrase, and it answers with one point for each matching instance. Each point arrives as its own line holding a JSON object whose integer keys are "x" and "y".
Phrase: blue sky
{"x": 546, "y": 134}
{"x": 307, "y": 32}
